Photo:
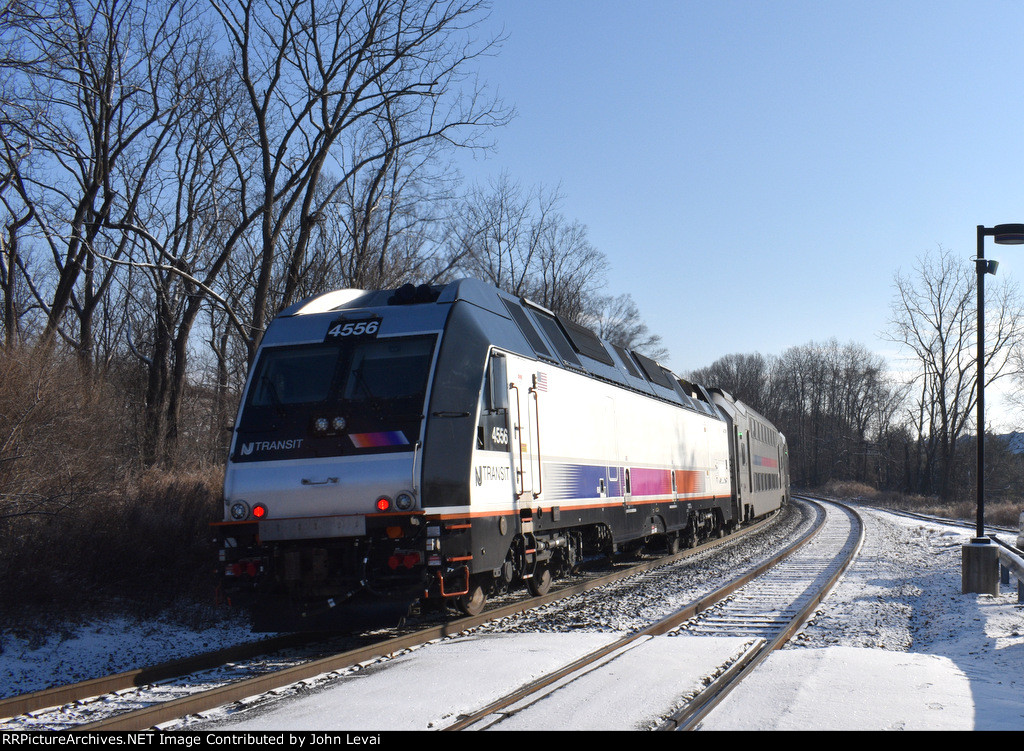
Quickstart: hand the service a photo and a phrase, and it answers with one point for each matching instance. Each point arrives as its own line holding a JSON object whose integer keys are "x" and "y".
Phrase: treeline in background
{"x": 174, "y": 172}
{"x": 902, "y": 431}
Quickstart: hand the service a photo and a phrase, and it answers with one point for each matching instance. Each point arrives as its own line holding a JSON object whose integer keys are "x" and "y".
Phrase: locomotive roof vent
{"x": 410, "y": 294}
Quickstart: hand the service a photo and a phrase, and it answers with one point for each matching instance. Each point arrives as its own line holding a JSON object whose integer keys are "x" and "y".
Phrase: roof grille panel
{"x": 523, "y": 322}
{"x": 557, "y": 337}
{"x": 585, "y": 341}
{"x": 655, "y": 373}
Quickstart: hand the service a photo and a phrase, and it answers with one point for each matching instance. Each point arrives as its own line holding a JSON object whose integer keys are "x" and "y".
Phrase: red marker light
{"x": 259, "y": 510}
{"x": 383, "y": 503}
{"x": 411, "y": 559}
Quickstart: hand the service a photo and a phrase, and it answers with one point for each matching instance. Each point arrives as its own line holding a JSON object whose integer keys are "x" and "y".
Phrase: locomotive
{"x": 441, "y": 444}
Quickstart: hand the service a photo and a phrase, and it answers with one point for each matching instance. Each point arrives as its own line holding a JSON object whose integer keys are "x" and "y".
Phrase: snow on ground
{"x": 72, "y": 652}
{"x": 632, "y": 688}
{"x": 895, "y": 646}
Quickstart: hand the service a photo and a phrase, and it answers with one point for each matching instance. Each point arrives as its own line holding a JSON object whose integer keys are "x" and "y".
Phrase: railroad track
{"x": 765, "y": 608}
{"x": 147, "y": 698}
{"x": 775, "y": 607}
{"x": 35, "y": 701}
{"x": 990, "y": 530}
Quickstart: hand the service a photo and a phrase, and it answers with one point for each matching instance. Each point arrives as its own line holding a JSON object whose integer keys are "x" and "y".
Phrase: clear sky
{"x": 757, "y": 172}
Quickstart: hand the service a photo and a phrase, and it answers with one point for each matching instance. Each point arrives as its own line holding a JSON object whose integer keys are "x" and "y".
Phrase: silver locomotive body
{"x": 437, "y": 445}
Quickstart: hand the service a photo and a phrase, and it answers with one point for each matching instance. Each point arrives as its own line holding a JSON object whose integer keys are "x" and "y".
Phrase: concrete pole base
{"x": 980, "y": 560}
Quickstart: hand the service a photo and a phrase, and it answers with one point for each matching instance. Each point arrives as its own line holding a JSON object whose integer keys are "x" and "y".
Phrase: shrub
{"x": 85, "y": 530}
{"x": 1001, "y": 513}
{"x": 849, "y": 489}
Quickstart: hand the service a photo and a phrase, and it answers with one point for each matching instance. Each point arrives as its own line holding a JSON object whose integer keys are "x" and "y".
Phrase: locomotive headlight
{"x": 338, "y": 424}
{"x": 320, "y": 425}
{"x": 239, "y": 510}
{"x": 404, "y": 501}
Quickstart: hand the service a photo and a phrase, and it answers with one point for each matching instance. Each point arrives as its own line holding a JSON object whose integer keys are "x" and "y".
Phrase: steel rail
{"x": 690, "y": 716}
{"x": 13, "y": 706}
{"x": 166, "y": 711}
{"x": 931, "y": 518}
{"x": 660, "y": 627}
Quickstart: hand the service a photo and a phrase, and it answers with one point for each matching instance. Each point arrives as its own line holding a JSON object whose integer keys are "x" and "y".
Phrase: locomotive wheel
{"x": 673, "y": 543}
{"x": 690, "y": 538}
{"x": 540, "y": 582}
{"x": 472, "y": 603}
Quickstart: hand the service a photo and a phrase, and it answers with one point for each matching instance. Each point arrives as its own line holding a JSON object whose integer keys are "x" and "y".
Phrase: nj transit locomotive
{"x": 441, "y": 444}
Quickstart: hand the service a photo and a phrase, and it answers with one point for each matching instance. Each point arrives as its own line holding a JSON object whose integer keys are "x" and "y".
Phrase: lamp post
{"x": 980, "y": 557}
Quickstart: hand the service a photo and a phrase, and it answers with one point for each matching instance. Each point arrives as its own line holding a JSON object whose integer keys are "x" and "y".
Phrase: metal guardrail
{"x": 1011, "y": 563}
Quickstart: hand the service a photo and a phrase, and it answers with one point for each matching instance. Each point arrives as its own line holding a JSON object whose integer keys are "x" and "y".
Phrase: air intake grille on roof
{"x": 523, "y": 322}
{"x": 627, "y": 361}
{"x": 585, "y": 341}
{"x": 555, "y": 336}
{"x": 655, "y": 373}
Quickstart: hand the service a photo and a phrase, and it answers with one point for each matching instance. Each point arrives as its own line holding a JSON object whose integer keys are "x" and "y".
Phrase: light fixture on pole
{"x": 980, "y": 557}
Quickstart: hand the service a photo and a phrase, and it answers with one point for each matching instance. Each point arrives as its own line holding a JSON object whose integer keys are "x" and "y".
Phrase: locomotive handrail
{"x": 440, "y": 581}
{"x": 539, "y": 484}
{"x": 415, "y": 455}
{"x": 521, "y": 485}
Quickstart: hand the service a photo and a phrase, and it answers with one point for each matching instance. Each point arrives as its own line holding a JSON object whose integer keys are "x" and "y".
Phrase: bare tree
{"x": 125, "y": 189}
{"x": 19, "y": 123}
{"x": 383, "y": 228}
{"x": 835, "y": 404}
{"x": 746, "y": 377}
{"x": 570, "y": 272}
{"x": 517, "y": 239}
{"x": 385, "y": 224}
{"x": 934, "y": 317}
{"x": 105, "y": 77}
{"x": 497, "y": 233}
{"x": 617, "y": 320}
{"x": 163, "y": 180}
{"x": 182, "y": 223}
{"x": 315, "y": 70}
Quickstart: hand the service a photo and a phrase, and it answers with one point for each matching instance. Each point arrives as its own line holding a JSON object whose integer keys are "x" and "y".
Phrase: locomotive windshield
{"x": 295, "y": 376}
{"x": 336, "y": 398}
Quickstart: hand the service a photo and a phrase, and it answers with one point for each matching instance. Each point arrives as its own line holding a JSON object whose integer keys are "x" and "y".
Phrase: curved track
{"x": 496, "y": 712}
{"x": 765, "y": 607}
{"x": 774, "y": 607}
{"x": 146, "y": 698}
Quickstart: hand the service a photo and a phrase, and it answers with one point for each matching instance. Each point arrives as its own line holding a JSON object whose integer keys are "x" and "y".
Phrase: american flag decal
{"x": 542, "y": 381}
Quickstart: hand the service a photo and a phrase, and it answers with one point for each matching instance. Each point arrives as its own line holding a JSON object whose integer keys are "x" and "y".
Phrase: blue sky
{"x": 757, "y": 172}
